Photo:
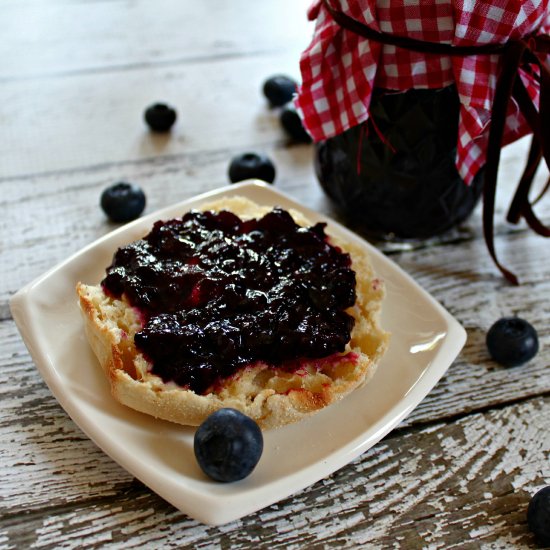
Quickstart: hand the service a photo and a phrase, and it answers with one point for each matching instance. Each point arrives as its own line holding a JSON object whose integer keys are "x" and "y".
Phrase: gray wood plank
{"x": 74, "y": 37}
{"x": 47, "y": 217}
{"x": 461, "y": 276}
{"x": 76, "y": 76}
{"x": 96, "y": 119}
{"x": 466, "y": 484}
{"x": 44, "y": 449}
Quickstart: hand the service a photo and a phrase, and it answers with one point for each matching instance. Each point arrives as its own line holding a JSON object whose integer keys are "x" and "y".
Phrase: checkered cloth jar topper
{"x": 340, "y": 68}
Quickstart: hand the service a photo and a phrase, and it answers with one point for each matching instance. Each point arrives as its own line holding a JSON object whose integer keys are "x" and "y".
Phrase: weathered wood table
{"x": 76, "y": 76}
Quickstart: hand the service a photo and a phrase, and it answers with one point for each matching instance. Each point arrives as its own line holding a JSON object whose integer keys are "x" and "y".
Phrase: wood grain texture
{"x": 444, "y": 486}
{"x": 87, "y": 95}
{"x": 50, "y": 463}
{"x": 76, "y": 76}
{"x": 61, "y": 38}
{"x": 95, "y": 120}
{"x": 48, "y": 217}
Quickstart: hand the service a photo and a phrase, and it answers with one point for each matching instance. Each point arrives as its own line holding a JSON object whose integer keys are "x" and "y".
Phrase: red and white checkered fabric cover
{"x": 340, "y": 69}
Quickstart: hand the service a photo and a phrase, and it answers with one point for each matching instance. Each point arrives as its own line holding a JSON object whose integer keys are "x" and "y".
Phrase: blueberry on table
{"x": 512, "y": 341}
{"x": 160, "y": 117}
{"x": 538, "y": 515}
{"x": 292, "y": 123}
{"x": 228, "y": 445}
{"x": 279, "y": 89}
{"x": 123, "y": 201}
{"x": 251, "y": 165}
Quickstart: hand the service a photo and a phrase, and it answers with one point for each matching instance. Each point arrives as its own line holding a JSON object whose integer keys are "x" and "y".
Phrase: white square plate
{"x": 425, "y": 341}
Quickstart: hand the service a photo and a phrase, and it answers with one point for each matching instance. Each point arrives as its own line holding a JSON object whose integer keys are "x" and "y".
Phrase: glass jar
{"x": 394, "y": 176}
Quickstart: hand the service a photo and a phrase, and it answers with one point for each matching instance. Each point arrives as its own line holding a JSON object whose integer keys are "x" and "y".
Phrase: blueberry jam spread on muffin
{"x": 216, "y": 293}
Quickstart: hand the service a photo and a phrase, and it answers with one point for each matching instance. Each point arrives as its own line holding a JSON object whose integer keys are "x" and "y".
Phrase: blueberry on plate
{"x": 512, "y": 341}
{"x": 292, "y": 123}
{"x": 160, "y": 117}
{"x": 538, "y": 515}
{"x": 251, "y": 165}
{"x": 228, "y": 445}
{"x": 123, "y": 201}
{"x": 279, "y": 89}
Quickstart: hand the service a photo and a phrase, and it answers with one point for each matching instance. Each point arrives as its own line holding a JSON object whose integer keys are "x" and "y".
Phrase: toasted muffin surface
{"x": 270, "y": 395}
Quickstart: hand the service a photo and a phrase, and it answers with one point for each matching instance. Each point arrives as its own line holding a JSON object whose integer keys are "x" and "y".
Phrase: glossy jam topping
{"x": 217, "y": 293}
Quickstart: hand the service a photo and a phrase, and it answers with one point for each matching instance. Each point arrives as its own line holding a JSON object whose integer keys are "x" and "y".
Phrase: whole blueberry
{"x": 123, "y": 201}
{"x": 228, "y": 445}
{"x": 279, "y": 89}
{"x": 538, "y": 515}
{"x": 512, "y": 341}
{"x": 160, "y": 117}
{"x": 292, "y": 123}
{"x": 251, "y": 165}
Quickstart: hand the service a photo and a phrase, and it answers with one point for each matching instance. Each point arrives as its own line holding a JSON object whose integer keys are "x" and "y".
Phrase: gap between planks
{"x": 444, "y": 486}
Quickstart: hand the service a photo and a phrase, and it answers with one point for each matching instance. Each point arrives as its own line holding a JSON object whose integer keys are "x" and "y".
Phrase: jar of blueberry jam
{"x": 394, "y": 176}
{"x": 410, "y": 107}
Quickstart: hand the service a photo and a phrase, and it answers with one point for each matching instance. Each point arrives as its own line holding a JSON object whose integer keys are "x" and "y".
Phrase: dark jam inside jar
{"x": 218, "y": 293}
{"x": 394, "y": 176}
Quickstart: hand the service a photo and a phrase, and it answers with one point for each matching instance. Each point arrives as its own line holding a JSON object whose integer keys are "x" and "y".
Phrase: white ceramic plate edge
{"x": 213, "y": 512}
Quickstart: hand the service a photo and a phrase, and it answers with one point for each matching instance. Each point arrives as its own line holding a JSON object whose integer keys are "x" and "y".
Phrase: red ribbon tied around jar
{"x": 497, "y": 53}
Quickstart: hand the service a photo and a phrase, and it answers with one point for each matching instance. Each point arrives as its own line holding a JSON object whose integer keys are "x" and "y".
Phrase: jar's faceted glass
{"x": 394, "y": 176}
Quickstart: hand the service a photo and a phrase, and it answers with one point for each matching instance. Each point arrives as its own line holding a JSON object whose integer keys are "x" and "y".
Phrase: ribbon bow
{"x": 526, "y": 53}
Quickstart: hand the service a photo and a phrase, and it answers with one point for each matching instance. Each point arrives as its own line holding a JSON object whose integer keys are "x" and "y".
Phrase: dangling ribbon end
{"x": 512, "y": 218}
{"x": 508, "y": 275}
{"x": 511, "y": 278}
